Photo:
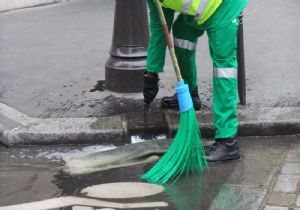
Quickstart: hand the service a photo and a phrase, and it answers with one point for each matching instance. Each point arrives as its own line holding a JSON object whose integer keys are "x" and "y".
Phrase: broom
{"x": 186, "y": 153}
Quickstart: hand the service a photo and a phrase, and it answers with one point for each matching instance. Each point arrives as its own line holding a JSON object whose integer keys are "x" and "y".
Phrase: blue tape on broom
{"x": 184, "y": 97}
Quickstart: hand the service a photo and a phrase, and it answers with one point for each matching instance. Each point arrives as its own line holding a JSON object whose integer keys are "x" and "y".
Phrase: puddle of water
{"x": 225, "y": 186}
{"x": 50, "y": 154}
{"x": 59, "y": 155}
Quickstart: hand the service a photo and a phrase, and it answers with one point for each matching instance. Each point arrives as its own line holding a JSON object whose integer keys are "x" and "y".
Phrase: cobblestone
{"x": 291, "y": 168}
{"x": 287, "y": 183}
{"x": 298, "y": 201}
{"x": 276, "y": 208}
{"x": 279, "y": 198}
{"x": 294, "y": 155}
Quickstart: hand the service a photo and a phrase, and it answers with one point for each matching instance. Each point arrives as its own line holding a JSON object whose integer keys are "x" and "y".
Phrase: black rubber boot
{"x": 171, "y": 102}
{"x": 223, "y": 150}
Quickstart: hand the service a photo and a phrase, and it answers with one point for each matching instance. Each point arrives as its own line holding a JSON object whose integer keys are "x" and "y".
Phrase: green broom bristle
{"x": 186, "y": 153}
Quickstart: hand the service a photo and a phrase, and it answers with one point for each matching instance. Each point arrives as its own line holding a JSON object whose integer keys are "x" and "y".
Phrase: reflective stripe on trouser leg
{"x": 185, "y": 43}
{"x": 225, "y": 104}
{"x": 223, "y": 45}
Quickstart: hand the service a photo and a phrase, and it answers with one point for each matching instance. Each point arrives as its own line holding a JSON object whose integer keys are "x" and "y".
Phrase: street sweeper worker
{"x": 220, "y": 20}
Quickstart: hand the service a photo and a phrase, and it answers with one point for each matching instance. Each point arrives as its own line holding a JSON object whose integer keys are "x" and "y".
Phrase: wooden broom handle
{"x": 168, "y": 39}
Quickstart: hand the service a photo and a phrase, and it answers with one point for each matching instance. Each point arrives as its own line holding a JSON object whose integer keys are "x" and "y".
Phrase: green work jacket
{"x": 200, "y": 9}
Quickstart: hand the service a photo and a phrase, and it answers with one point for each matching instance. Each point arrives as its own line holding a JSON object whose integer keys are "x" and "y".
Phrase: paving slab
{"x": 283, "y": 199}
{"x": 258, "y": 166}
{"x": 294, "y": 155}
{"x": 237, "y": 197}
{"x": 291, "y": 168}
{"x": 298, "y": 201}
{"x": 287, "y": 183}
{"x": 276, "y": 208}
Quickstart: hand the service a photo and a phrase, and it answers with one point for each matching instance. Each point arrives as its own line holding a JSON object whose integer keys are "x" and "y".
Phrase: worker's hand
{"x": 150, "y": 87}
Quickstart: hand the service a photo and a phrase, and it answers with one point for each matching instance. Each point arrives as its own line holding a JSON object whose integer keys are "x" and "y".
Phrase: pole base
{"x": 125, "y": 75}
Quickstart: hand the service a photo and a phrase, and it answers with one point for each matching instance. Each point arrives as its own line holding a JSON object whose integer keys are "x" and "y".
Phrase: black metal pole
{"x": 124, "y": 69}
{"x": 241, "y": 63}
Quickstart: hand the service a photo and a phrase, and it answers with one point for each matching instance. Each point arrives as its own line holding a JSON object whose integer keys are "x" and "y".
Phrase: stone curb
{"x": 252, "y": 122}
{"x": 118, "y": 129}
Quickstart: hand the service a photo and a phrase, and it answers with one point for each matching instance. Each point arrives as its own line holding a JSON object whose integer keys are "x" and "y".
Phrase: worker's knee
{"x": 223, "y": 44}
{"x": 224, "y": 61}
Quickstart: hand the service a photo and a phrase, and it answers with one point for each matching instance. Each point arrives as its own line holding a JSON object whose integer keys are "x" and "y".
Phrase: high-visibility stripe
{"x": 185, "y": 44}
{"x": 186, "y": 6}
{"x": 201, "y": 8}
{"x": 225, "y": 72}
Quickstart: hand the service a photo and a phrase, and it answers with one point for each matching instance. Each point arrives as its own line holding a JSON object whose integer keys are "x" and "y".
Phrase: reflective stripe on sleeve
{"x": 225, "y": 72}
{"x": 185, "y": 44}
{"x": 201, "y": 8}
{"x": 186, "y": 6}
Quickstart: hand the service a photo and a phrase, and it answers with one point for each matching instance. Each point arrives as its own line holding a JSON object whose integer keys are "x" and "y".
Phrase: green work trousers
{"x": 222, "y": 30}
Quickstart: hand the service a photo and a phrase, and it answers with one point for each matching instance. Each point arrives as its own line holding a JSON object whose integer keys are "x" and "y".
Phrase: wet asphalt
{"x": 34, "y": 173}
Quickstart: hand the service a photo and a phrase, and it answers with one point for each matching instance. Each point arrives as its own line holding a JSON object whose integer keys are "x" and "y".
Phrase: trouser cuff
{"x": 225, "y": 132}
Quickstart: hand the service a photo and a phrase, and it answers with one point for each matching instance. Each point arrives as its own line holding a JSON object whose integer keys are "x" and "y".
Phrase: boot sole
{"x": 228, "y": 159}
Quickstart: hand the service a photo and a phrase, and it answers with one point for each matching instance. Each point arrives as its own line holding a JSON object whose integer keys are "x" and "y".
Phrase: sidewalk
{"x": 53, "y": 57}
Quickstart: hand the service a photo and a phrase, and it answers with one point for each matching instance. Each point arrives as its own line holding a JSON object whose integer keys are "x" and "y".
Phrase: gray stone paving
{"x": 248, "y": 184}
{"x": 291, "y": 168}
{"x": 238, "y": 197}
{"x": 287, "y": 183}
{"x": 280, "y": 198}
{"x": 298, "y": 201}
{"x": 276, "y": 208}
{"x": 285, "y": 192}
{"x": 294, "y": 155}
